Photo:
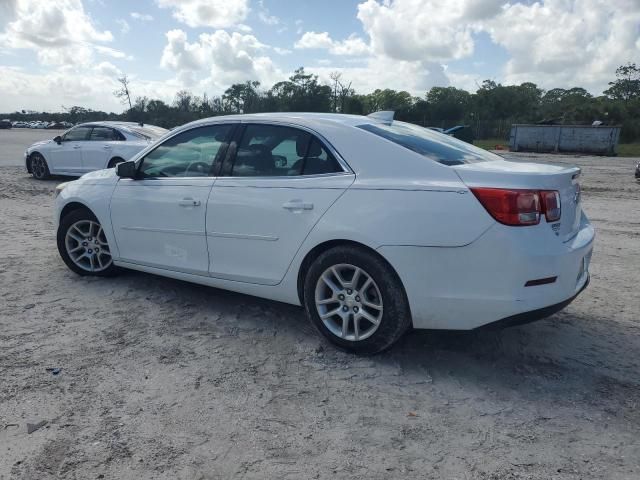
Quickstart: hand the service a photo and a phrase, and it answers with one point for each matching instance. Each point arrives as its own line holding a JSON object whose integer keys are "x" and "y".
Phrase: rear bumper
{"x": 483, "y": 283}
{"x": 533, "y": 315}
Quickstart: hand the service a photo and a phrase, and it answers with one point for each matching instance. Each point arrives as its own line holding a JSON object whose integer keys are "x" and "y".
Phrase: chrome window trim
{"x": 346, "y": 169}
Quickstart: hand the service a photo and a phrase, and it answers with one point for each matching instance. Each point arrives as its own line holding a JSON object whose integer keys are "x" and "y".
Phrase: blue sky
{"x": 70, "y": 52}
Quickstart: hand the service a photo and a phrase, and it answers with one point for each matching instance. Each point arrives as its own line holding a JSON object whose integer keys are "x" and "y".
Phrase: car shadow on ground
{"x": 526, "y": 358}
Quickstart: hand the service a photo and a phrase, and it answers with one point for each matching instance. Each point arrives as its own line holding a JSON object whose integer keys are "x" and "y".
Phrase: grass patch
{"x": 624, "y": 149}
{"x": 629, "y": 150}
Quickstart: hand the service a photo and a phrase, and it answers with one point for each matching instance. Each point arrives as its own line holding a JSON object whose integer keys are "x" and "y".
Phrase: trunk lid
{"x": 533, "y": 176}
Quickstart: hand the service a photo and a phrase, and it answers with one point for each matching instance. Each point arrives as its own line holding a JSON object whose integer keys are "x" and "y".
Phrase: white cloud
{"x": 550, "y": 42}
{"x": 315, "y": 40}
{"x": 353, "y": 45}
{"x": 413, "y": 30}
{"x": 180, "y": 55}
{"x": 382, "y": 72}
{"x": 124, "y": 26}
{"x": 265, "y": 16}
{"x": 282, "y": 51}
{"x": 567, "y": 42}
{"x": 92, "y": 89}
{"x": 218, "y": 59}
{"x": 108, "y": 69}
{"x": 112, "y": 52}
{"x": 60, "y": 32}
{"x": 143, "y": 17}
{"x": 208, "y": 13}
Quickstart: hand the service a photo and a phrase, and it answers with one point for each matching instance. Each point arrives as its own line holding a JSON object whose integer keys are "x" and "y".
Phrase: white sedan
{"x": 88, "y": 147}
{"x": 373, "y": 225}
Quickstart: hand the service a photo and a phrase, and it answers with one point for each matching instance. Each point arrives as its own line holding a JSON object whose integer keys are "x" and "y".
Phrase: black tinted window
{"x": 76, "y": 134}
{"x": 275, "y": 151}
{"x": 188, "y": 154}
{"x": 436, "y": 146}
{"x": 103, "y": 134}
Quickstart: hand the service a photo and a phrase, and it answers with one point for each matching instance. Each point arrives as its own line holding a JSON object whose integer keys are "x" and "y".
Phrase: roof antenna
{"x": 384, "y": 116}
{"x": 141, "y": 124}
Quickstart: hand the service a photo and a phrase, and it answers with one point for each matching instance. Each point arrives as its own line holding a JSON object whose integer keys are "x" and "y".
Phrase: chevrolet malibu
{"x": 88, "y": 147}
{"x": 373, "y": 225}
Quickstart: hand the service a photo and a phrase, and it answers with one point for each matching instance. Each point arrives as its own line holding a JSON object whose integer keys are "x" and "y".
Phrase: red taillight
{"x": 519, "y": 207}
{"x": 551, "y": 205}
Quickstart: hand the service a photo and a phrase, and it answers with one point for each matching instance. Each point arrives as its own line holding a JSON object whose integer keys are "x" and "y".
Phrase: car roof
{"x": 111, "y": 123}
{"x": 308, "y": 119}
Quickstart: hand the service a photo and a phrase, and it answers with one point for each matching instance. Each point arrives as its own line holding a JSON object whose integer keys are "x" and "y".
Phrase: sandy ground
{"x": 163, "y": 379}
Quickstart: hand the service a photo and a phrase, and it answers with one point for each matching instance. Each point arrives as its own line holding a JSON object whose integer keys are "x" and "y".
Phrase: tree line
{"x": 489, "y": 112}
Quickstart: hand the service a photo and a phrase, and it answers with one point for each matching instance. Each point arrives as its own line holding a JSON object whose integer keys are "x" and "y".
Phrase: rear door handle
{"x": 297, "y": 205}
{"x": 189, "y": 202}
{"x": 107, "y": 147}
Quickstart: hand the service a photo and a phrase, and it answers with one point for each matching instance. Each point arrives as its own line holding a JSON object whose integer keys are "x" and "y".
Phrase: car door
{"x": 277, "y": 182}
{"x": 66, "y": 157}
{"x": 159, "y": 217}
{"x": 97, "y": 151}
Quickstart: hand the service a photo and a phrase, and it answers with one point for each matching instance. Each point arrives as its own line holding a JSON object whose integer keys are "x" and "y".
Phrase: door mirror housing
{"x": 126, "y": 169}
{"x": 58, "y": 139}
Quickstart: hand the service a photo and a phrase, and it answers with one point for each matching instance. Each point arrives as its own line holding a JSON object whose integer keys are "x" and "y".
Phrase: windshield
{"x": 436, "y": 146}
{"x": 148, "y": 132}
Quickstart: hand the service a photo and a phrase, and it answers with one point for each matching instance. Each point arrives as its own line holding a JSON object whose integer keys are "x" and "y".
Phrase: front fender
{"x": 96, "y": 198}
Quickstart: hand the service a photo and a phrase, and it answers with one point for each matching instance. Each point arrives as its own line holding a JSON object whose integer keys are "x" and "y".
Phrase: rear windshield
{"x": 148, "y": 132}
{"x": 434, "y": 145}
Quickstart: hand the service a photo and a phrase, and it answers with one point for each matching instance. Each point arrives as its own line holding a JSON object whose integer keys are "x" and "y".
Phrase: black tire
{"x": 39, "y": 167}
{"x": 396, "y": 315}
{"x": 66, "y": 223}
{"x": 115, "y": 161}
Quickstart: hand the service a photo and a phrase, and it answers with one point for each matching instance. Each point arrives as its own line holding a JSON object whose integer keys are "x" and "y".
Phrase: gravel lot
{"x": 163, "y": 379}
{"x": 13, "y": 143}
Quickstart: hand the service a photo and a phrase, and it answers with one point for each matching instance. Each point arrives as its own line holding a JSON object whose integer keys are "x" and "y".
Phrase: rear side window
{"x": 278, "y": 151}
{"x": 188, "y": 154}
{"x": 104, "y": 134}
{"x": 436, "y": 146}
{"x": 147, "y": 132}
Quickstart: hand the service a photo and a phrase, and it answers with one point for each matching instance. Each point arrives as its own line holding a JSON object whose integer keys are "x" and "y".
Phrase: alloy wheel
{"x": 349, "y": 302}
{"x": 87, "y": 246}
{"x": 38, "y": 167}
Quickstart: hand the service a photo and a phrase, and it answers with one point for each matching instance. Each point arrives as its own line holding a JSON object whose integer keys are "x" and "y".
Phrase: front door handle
{"x": 76, "y": 147}
{"x": 297, "y": 205}
{"x": 189, "y": 202}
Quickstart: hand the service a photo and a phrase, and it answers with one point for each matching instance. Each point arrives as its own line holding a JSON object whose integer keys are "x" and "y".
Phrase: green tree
{"x": 626, "y": 87}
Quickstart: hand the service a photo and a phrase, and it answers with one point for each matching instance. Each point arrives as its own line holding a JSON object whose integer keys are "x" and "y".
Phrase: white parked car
{"x": 88, "y": 147}
{"x": 373, "y": 225}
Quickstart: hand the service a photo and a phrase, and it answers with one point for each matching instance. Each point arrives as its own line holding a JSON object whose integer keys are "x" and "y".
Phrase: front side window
{"x": 77, "y": 134}
{"x": 188, "y": 154}
{"x": 436, "y": 146}
{"x": 278, "y": 151}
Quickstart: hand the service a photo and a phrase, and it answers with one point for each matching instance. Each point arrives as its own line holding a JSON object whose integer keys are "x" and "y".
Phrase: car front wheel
{"x": 39, "y": 167}
{"x": 83, "y": 245}
{"x": 356, "y": 300}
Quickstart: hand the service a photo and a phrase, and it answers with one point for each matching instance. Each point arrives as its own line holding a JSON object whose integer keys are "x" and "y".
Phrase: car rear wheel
{"x": 356, "y": 300}
{"x": 83, "y": 245}
{"x": 39, "y": 167}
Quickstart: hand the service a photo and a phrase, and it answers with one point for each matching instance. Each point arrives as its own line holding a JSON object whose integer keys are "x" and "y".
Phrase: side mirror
{"x": 58, "y": 139}
{"x": 126, "y": 169}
